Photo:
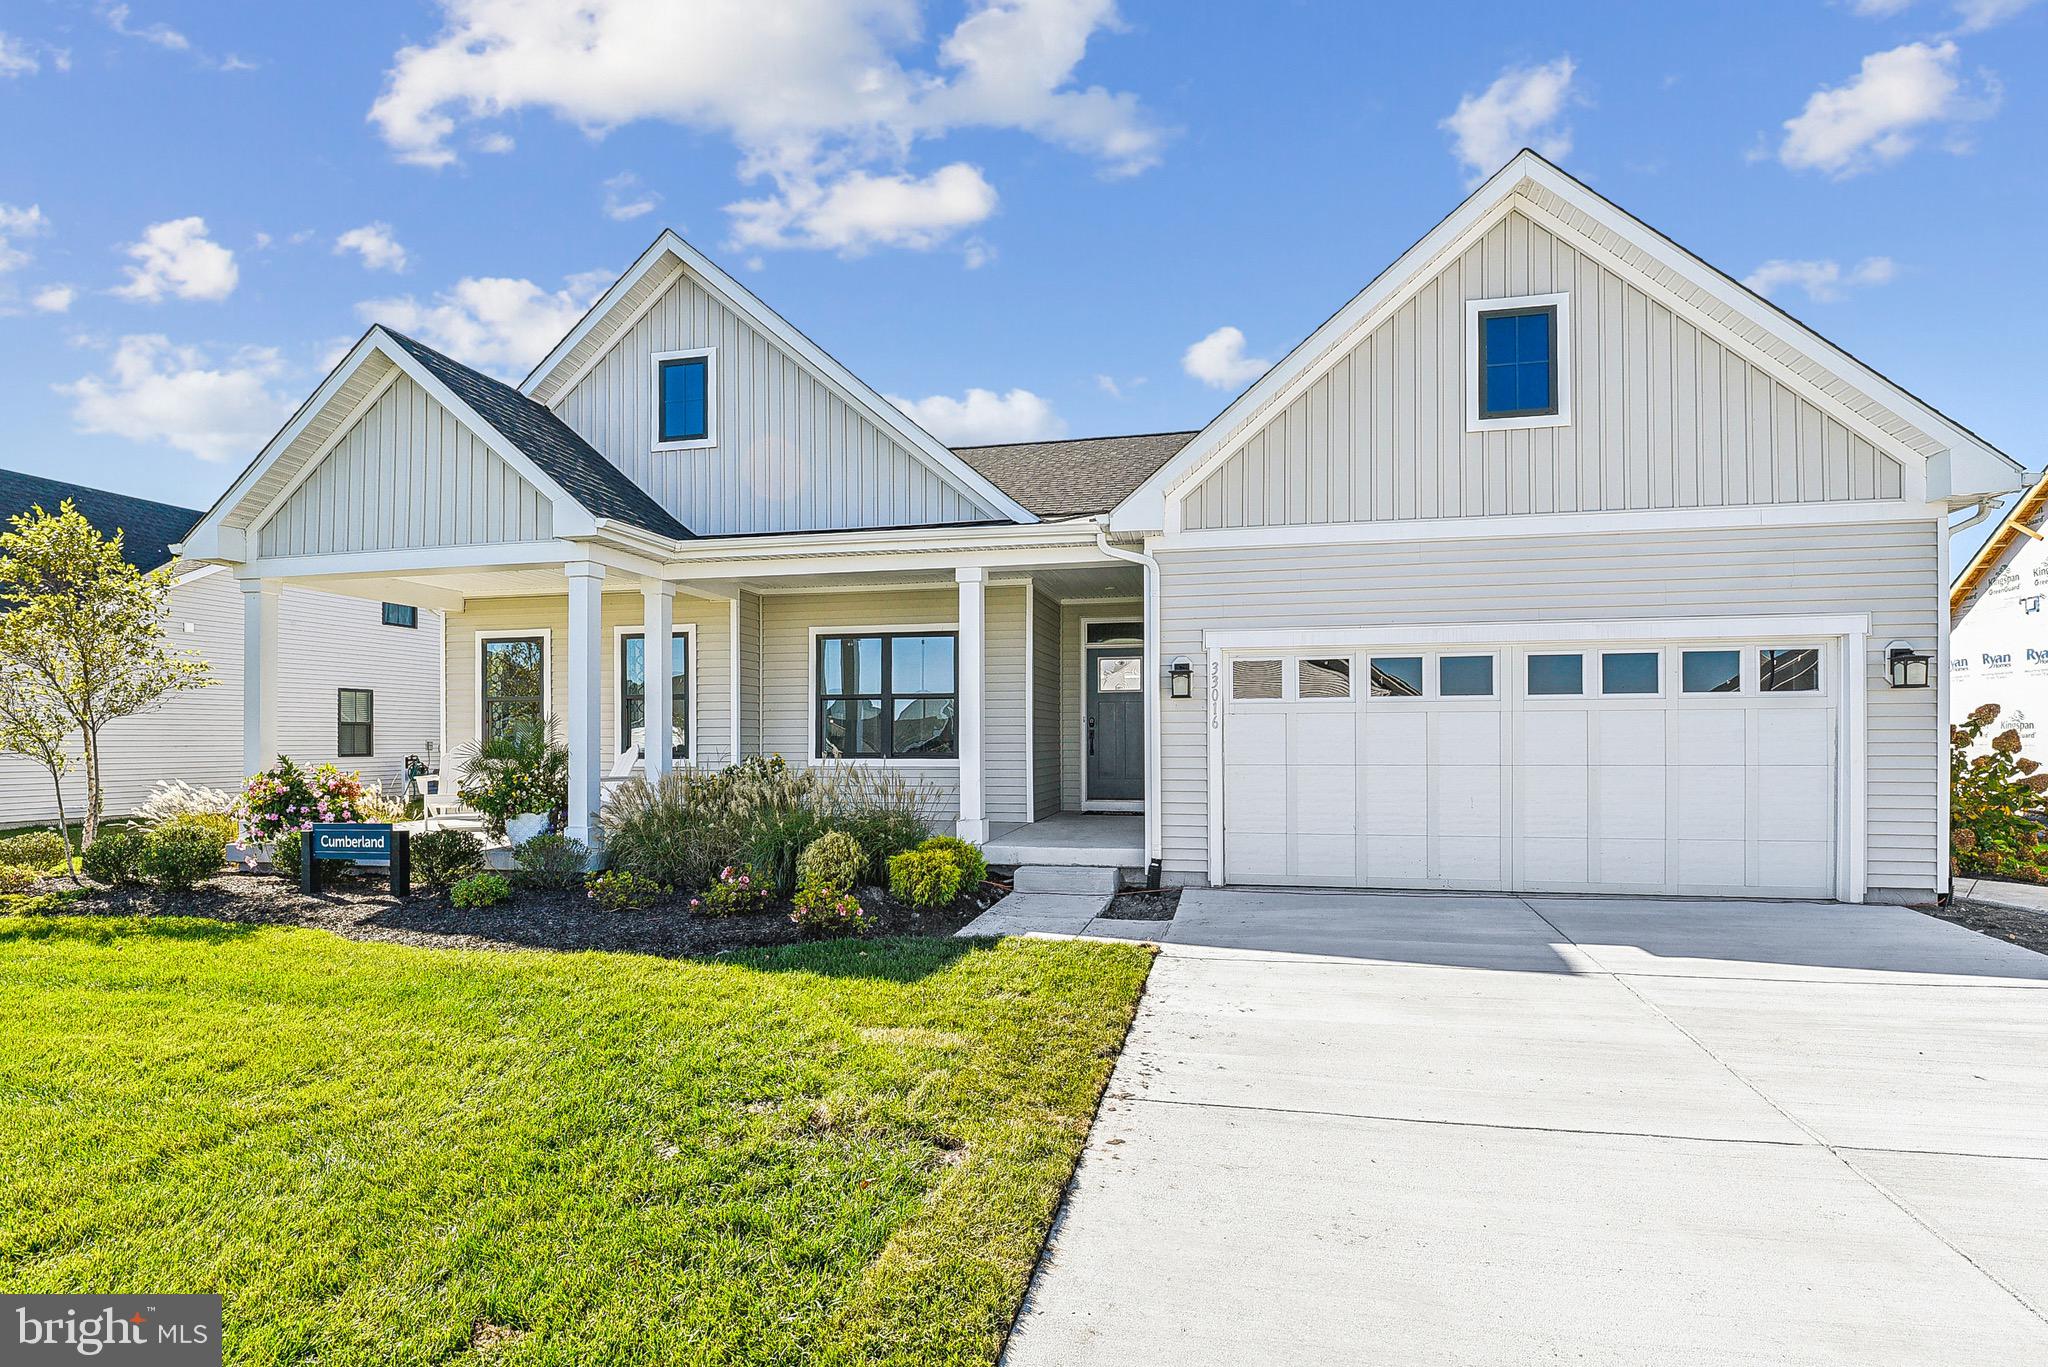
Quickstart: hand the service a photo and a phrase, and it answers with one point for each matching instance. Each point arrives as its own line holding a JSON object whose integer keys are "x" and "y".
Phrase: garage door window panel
{"x": 1396, "y": 676}
{"x": 1556, "y": 676}
{"x": 1465, "y": 676}
{"x": 1255, "y": 680}
{"x": 1710, "y": 671}
{"x": 1324, "y": 680}
{"x": 1631, "y": 673}
{"x": 1794, "y": 670}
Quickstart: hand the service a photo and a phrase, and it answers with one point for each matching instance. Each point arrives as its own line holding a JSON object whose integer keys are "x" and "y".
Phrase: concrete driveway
{"x": 1406, "y": 1129}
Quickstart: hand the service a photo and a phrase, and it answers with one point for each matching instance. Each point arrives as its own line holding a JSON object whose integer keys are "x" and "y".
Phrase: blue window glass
{"x": 401, "y": 615}
{"x": 1516, "y": 355}
{"x": 685, "y": 399}
{"x": 1464, "y": 676}
{"x": 1633, "y": 671}
{"x": 1555, "y": 675}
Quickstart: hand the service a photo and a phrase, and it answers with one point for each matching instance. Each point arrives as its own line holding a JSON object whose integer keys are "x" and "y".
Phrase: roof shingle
{"x": 1074, "y": 478}
{"x": 149, "y": 529}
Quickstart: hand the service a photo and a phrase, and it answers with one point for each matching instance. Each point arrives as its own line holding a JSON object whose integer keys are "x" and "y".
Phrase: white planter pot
{"x": 520, "y": 829}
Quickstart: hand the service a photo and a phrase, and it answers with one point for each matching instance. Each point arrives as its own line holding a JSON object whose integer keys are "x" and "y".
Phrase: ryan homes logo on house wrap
{"x": 160, "y": 1331}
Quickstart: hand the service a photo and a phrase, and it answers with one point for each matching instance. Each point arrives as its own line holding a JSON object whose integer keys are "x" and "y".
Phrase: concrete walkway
{"x": 1998, "y": 892}
{"x": 1479, "y": 1130}
{"x": 1059, "y": 913}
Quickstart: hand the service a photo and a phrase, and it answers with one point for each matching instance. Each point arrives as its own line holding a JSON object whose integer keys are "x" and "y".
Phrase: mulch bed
{"x": 364, "y": 909}
{"x": 2027, "y": 929}
{"x": 1144, "y": 904}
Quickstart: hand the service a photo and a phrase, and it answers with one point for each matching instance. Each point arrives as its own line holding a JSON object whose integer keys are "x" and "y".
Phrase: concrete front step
{"x": 1068, "y": 878}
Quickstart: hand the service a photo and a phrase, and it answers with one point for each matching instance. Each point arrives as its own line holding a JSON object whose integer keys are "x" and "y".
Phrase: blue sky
{"x": 1061, "y": 204}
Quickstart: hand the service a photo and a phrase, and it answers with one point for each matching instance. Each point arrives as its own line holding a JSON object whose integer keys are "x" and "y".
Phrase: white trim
{"x": 855, "y": 391}
{"x": 811, "y": 692}
{"x": 320, "y": 453}
{"x": 595, "y": 314}
{"x": 547, "y": 675}
{"x": 1560, "y": 362}
{"x": 687, "y": 630}
{"x": 1618, "y": 631}
{"x": 1733, "y": 518}
{"x": 1852, "y": 837}
{"x": 733, "y": 660}
{"x": 709, "y": 355}
{"x": 1030, "y": 700}
{"x": 1089, "y": 804}
{"x": 1944, "y": 625}
{"x": 1218, "y": 874}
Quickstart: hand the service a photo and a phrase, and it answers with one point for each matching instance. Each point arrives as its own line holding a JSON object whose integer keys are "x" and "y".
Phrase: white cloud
{"x": 821, "y": 103}
{"x": 176, "y": 257}
{"x": 374, "y": 243}
{"x": 984, "y": 417}
{"x": 1218, "y": 360}
{"x": 1522, "y": 108}
{"x": 1879, "y": 9}
{"x": 16, "y": 57}
{"x": 625, "y": 198}
{"x": 1977, "y": 15}
{"x": 156, "y": 392}
{"x": 17, "y": 223}
{"x": 1824, "y": 281}
{"x": 1880, "y": 114}
{"x": 494, "y": 144}
{"x": 860, "y": 211}
{"x": 53, "y": 299}
{"x": 162, "y": 35}
{"x": 496, "y": 324}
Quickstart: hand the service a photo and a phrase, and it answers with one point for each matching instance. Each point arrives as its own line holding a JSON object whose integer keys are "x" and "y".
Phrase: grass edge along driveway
{"x": 842, "y": 1152}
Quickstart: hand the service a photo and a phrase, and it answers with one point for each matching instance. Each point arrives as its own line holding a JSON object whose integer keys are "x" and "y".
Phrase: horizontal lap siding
{"x": 325, "y": 643}
{"x": 407, "y": 474}
{"x": 1663, "y": 416}
{"x": 1887, "y": 570}
{"x": 711, "y": 664}
{"x": 791, "y": 454}
{"x": 1045, "y": 701}
{"x": 786, "y": 621}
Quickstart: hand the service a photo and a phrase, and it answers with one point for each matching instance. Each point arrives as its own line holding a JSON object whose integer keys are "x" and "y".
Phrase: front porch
{"x": 1087, "y": 839}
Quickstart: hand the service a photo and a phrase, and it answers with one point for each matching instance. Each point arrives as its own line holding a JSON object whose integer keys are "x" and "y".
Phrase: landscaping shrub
{"x": 622, "y": 890}
{"x": 968, "y": 857}
{"x": 217, "y": 824}
{"x": 17, "y": 878}
{"x": 34, "y": 849}
{"x": 828, "y": 912}
{"x": 480, "y": 890}
{"x": 115, "y": 858}
{"x": 738, "y": 890}
{"x": 286, "y": 797}
{"x": 441, "y": 858}
{"x": 777, "y": 841}
{"x": 178, "y": 856}
{"x": 926, "y": 879}
{"x": 526, "y": 772}
{"x": 286, "y": 851}
{"x": 833, "y": 860}
{"x": 553, "y": 863}
{"x": 175, "y": 797}
{"x": 1994, "y": 799}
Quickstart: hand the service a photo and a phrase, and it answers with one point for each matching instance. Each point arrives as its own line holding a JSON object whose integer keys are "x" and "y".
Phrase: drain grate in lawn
{"x": 841, "y": 1152}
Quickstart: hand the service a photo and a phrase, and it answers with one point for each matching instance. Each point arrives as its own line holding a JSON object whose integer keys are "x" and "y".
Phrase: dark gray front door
{"x": 1115, "y": 737}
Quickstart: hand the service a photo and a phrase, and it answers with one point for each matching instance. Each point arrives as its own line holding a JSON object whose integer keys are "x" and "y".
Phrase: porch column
{"x": 658, "y": 624}
{"x": 973, "y": 580}
{"x": 259, "y": 674}
{"x": 586, "y": 722}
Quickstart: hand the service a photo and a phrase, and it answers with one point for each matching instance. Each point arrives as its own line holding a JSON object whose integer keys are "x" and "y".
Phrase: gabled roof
{"x": 630, "y": 294}
{"x": 1967, "y": 463}
{"x": 149, "y": 529}
{"x": 1076, "y": 477}
{"x": 571, "y": 462}
{"x": 2026, "y": 511}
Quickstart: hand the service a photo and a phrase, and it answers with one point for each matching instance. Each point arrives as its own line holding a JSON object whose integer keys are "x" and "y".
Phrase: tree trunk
{"x": 92, "y": 785}
{"x": 64, "y": 826}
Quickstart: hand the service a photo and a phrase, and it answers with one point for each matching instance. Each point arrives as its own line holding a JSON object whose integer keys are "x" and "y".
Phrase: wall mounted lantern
{"x": 1180, "y": 677}
{"x": 1905, "y": 667}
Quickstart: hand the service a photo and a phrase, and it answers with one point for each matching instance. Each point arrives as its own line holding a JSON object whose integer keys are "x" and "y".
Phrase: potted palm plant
{"x": 518, "y": 781}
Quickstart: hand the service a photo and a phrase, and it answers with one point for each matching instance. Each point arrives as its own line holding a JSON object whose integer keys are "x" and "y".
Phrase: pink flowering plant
{"x": 829, "y": 913}
{"x": 285, "y": 797}
{"x": 740, "y": 889}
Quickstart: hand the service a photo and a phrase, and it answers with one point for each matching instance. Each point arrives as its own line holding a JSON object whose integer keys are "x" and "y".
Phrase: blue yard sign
{"x": 359, "y": 842}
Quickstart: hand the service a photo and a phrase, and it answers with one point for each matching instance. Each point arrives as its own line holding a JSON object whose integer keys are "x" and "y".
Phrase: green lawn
{"x": 844, "y": 1152}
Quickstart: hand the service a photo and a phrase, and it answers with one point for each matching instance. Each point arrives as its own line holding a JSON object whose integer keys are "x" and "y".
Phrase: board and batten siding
{"x": 1663, "y": 415}
{"x": 1886, "y": 569}
{"x": 791, "y": 453}
{"x": 325, "y": 643}
{"x": 787, "y": 701}
{"x": 407, "y": 474}
{"x": 710, "y": 663}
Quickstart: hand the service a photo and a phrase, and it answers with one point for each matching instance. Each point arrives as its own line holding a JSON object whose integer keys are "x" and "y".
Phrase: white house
{"x": 1555, "y": 560}
{"x": 1998, "y": 648}
{"x": 359, "y": 683}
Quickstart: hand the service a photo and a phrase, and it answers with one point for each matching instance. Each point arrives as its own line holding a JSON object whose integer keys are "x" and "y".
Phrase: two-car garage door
{"x": 1701, "y": 768}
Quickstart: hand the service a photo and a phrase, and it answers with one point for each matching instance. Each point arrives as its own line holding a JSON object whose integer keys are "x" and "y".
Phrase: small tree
{"x": 33, "y": 726}
{"x": 1994, "y": 799}
{"x": 83, "y": 629}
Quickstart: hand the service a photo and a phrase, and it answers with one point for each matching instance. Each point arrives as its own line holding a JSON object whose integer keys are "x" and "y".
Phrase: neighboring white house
{"x": 1555, "y": 560}
{"x": 352, "y": 689}
{"x": 1998, "y": 647}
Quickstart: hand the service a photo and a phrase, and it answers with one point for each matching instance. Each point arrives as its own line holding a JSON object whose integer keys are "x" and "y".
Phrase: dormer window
{"x": 1516, "y": 363}
{"x": 682, "y": 399}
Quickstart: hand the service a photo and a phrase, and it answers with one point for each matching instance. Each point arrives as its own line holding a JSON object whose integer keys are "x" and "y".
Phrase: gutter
{"x": 1152, "y": 700}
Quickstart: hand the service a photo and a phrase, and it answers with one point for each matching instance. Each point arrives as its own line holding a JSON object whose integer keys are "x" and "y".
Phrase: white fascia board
{"x": 1760, "y": 627}
{"x": 851, "y": 388}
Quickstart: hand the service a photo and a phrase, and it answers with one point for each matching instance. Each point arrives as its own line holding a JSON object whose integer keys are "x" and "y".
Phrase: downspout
{"x": 1152, "y": 700}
